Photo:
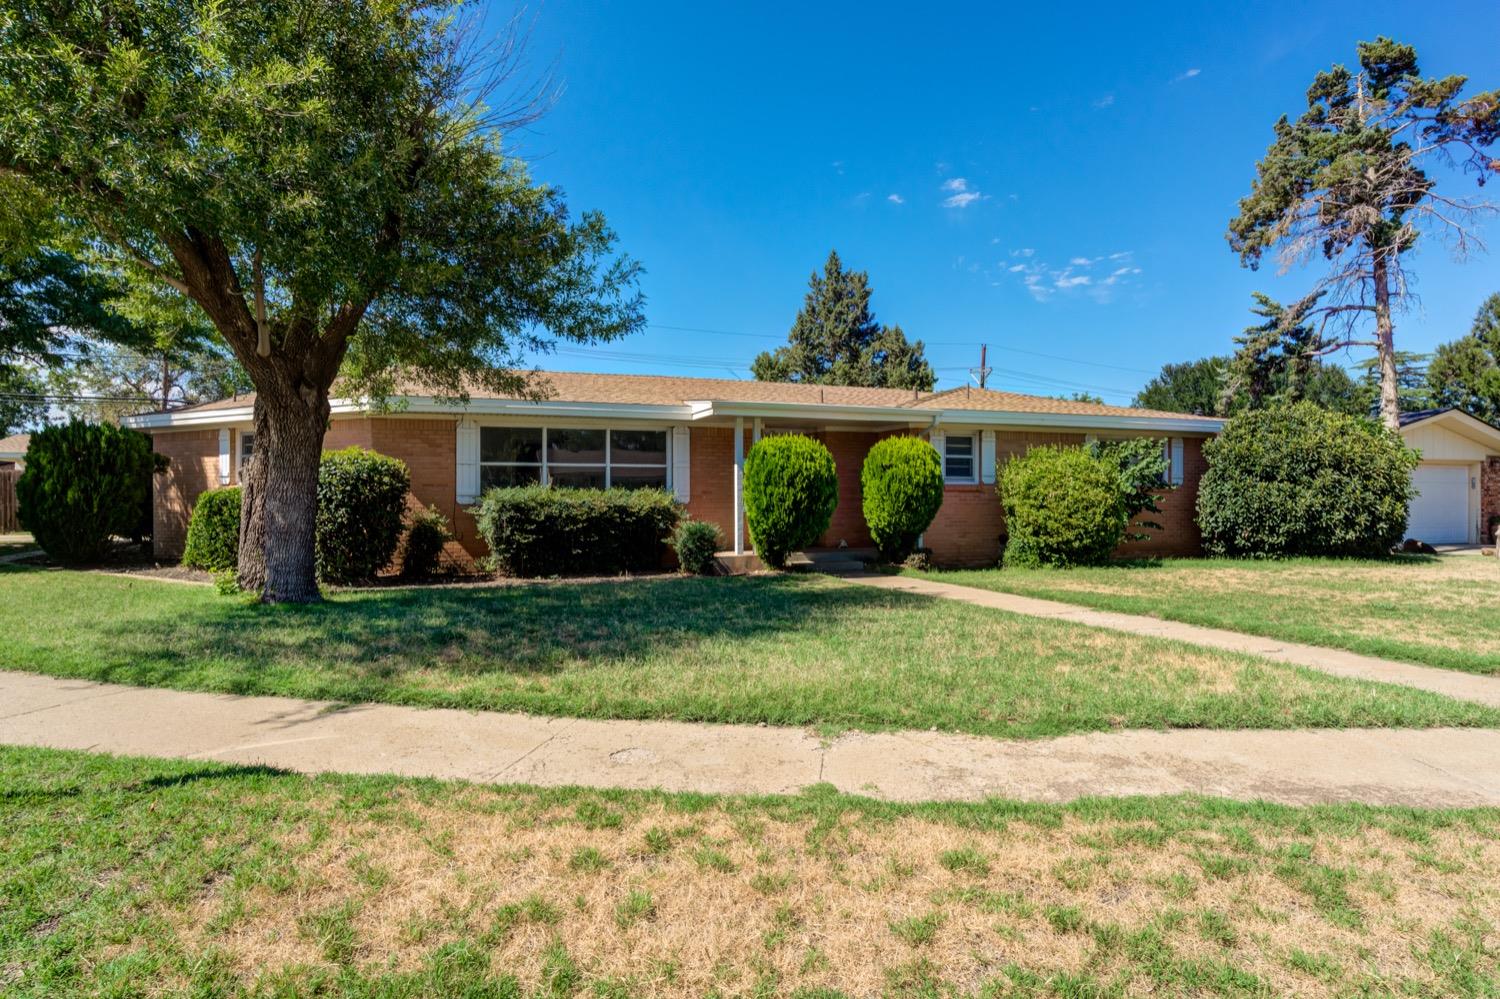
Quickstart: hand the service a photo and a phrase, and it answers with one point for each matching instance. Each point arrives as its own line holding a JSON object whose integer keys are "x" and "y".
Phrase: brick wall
{"x": 848, "y": 524}
{"x": 967, "y": 530}
{"x": 193, "y": 466}
{"x": 1489, "y": 496}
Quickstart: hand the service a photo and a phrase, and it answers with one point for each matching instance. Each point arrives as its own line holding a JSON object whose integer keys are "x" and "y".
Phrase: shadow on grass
{"x": 522, "y": 631}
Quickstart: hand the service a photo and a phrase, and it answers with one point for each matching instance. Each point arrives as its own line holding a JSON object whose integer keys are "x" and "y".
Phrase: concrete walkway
{"x": 1432, "y": 768}
{"x": 1451, "y": 683}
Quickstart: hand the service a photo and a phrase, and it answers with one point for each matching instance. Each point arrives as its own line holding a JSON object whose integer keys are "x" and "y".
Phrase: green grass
{"x": 126, "y": 877}
{"x": 1431, "y": 611}
{"x": 785, "y": 650}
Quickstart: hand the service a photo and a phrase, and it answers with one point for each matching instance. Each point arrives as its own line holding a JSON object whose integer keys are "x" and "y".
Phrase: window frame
{"x": 239, "y": 453}
{"x": 973, "y": 478}
{"x": 544, "y": 465}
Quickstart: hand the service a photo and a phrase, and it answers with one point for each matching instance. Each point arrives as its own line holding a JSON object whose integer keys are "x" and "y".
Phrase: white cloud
{"x": 1186, "y": 75}
{"x": 1044, "y": 281}
{"x": 961, "y": 196}
{"x": 1105, "y": 101}
{"x": 895, "y": 199}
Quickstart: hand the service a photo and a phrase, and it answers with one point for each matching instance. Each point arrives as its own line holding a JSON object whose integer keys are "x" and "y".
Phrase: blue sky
{"x": 1050, "y": 179}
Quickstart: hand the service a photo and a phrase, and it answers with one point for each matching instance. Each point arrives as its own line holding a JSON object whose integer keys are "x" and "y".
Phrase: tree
{"x": 836, "y": 340}
{"x": 1411, "y": 381}
{"x": 1347, "y": 179}
{"x": 1466, "y": 372}
{"x": 1195, "y": 387}
{"x": 1279, "y": 361}
{"x": 326, "y": 182}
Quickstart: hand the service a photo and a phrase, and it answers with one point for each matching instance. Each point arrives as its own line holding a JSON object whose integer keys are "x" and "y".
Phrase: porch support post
{"x": 739, "y": 485}
{"x": 755, "y": 430}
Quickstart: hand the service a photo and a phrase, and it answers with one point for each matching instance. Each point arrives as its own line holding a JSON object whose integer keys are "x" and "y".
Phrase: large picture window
{"x": 958, "y": 458}
{"x": 578, "y": 458}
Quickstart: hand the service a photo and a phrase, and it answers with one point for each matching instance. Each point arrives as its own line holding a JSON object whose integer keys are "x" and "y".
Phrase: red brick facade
{"x": 967, "y": 531}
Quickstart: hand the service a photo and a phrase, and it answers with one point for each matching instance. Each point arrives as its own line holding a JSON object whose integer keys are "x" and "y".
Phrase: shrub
{"x": 361, "y": 504}
{"x": 213, "y": 535}
{"x": 546, "y": 531}
{"x": 1140, "y": 465}
{"x": 791, "y": 489}
{"x": 1300, "y": 480}
{"x": 423, "y": 552}
{"x": 84, "y": 483}
{"x": 696, "y": 542}
{"x": 1063, "y": 507}
{"x": 902, "y": 485}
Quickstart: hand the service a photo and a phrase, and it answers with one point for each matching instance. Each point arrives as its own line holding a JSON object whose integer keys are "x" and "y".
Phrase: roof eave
{"x": 1469, "y": 426}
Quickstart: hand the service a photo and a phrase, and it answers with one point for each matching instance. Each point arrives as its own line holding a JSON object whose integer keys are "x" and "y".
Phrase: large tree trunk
{"x": 1385, "y": 335}
{"x": 279, "y": 521}
{"x": 252, "y": 557}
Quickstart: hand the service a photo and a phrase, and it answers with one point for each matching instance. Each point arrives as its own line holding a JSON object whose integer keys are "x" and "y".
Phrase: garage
{"x": 1440, "y": 512}
{"x": 1457, "y": 492}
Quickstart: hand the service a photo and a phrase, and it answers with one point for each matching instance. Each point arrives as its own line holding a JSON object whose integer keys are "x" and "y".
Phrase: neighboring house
{"x": 690, "y": 435}
{"x": 13, "y": 450}
{"x": 1458, "y": 481}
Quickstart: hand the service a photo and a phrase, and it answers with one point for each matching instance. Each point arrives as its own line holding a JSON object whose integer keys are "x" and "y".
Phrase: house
{"x": 689, "y": 435}
{"x": 13, "y": 450}
{"x": 1458, "y": 481}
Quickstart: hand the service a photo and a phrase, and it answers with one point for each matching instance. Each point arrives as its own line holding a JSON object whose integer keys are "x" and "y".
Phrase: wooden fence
{"x": 9, "y": 521}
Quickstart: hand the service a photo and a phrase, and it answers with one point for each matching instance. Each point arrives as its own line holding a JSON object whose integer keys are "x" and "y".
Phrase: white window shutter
{"x": 224, "y": 457}
{"x": 987, "y": 456}
{"x": 1176, "y": 471}
{"x": 468, "y": 461}
{"x": 682, "y": 463}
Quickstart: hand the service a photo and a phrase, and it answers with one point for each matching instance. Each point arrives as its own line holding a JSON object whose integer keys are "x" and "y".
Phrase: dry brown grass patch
{"x": 815, "y": 908}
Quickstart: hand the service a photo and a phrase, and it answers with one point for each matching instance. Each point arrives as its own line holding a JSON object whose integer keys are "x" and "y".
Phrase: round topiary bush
{"x": 1063, "y": 507}
{"x": 902, "y": 485}
{"x": 696, "y": 542}
{"x": 422, "y": 555}
{"x": 1300, "y": 480}
{"x": 84, "y": 484}
{"x": 791, "y": 489}
{"x": 361, "y": 506}
{"x": 213, "y": 535}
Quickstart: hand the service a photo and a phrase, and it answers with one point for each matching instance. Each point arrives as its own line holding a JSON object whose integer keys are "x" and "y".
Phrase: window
{"x": 577, "y": 458}
{"x": 1174, "y": 453}
{"x": 958, "y": 458}
{"x": 247, "y": 448}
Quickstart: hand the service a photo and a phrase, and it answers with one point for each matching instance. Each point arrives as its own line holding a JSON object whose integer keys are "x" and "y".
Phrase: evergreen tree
{"x": 1347, "y": 180}
{"x": 836, "y": 340}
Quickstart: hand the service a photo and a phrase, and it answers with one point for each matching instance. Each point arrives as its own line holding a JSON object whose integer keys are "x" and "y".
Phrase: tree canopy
{"x": 327, "y": 183}
{"x": 1190, "y": 387}
{"x": 835, "y": 340}
{"x": 1347, "y": 180}
{"x": 1465, "y": 373}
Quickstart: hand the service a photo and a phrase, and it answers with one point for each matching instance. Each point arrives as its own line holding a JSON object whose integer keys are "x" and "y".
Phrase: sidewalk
{"x": 1428, "y": 768}
{"x": 1450, "y": 683}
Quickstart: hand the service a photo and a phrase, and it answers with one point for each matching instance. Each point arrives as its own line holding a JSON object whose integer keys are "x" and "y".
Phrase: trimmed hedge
{"x": 1301, "y": 480}
{"x": 1063, "y": 507}
{"x": 902, "y": 486}
{"x": 84, "y": 484}
{"x": 791, "y": 490}
{"x": 361, "y": 512}
{"x": 696, "y": 542}
{"x": 213, "y": 535}
{"x": 421, "y": 557}
{"x": 547, "y": 531}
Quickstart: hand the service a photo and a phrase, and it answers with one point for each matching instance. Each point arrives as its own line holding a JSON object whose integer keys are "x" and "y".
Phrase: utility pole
{"x": 981, "y": 374}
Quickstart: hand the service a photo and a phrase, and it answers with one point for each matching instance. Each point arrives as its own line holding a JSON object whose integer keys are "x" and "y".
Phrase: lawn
{"x": 137, "y": 877}
{"x": 785, "y": 650}
{"x": 1434, "y": 611}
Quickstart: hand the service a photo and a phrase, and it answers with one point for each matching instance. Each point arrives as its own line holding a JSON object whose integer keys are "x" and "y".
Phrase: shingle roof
{"x": 670, "y": 390}
{"x": 15, "y": 444}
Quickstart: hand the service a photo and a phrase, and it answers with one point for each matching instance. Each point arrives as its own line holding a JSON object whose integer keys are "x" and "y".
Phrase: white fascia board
{"x": 959, "y": 417}
{"x": 1463, "y": 424}
{"x": 425, "y": 406}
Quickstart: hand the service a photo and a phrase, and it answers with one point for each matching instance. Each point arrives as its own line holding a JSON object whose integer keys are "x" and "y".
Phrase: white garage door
{"x": 1440, "y": 513}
